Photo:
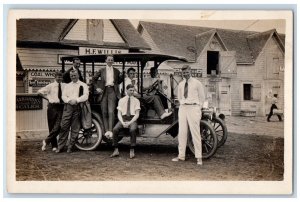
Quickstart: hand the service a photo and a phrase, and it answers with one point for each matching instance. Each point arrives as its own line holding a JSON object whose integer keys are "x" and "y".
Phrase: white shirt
{"x": 149, "y": 81}
{"x": 195, "y": 92}
{"x": 134, "y": 105}
{"x": 71, "y": 91}
{"x": 128, "y": 81}
{"x": 274, "y": 100}
{"x": 109, "y": 76}
{"x": 51, "y": 91}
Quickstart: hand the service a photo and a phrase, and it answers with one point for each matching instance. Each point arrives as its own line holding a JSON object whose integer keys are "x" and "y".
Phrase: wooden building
{"x": 42, "y": 42}
{"x": 240, "y": 70}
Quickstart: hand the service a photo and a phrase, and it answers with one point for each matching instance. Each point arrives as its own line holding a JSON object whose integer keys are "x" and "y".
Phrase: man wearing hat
{"x": 53, "y": 92}
{"x": 191, "y": 97}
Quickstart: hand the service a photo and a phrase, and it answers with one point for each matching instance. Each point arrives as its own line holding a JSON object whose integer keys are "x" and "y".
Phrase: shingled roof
{"x": 40, "y": 30}
{"x": 173, "y": 39}
{"x": 257, "y": 41}
{"x": 204, "y": 38}
{"x": 129, "y": 34}
{"x": 51, "y": 30}
{"x": 183, "y": 40}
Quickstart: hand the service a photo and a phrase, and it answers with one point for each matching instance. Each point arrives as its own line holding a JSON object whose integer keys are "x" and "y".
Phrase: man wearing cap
{"x": 191, "y": 97}
{"x": 53, "y": 93}
{"x": 76, "y": 66}
{"x": 106, "y": 82}
{"x": 128, "y": 113}
{"x": 74, "y": 93}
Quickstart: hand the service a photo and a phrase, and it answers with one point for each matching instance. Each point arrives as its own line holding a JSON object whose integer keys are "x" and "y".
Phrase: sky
{"x": 245, "y": 25}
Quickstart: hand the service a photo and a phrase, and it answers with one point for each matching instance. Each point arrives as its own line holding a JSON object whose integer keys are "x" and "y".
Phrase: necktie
{"x": 59, "y": 93}
{"x": 128, "y": 107}
{"x": 186, "y": 89}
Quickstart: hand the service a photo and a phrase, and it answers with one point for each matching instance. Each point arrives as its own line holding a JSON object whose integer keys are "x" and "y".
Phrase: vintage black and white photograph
{"x": 142, "y": 100}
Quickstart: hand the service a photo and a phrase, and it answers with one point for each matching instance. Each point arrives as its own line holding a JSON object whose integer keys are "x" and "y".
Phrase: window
{"x": 212, "y": 62}
{"x": 247, "y": 91}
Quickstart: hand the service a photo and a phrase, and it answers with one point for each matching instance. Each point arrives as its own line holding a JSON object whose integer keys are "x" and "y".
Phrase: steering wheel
{"x": 153, "y": 87}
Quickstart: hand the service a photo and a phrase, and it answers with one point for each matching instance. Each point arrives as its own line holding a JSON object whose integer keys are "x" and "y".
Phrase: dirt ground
{"x": 246, "y": 157}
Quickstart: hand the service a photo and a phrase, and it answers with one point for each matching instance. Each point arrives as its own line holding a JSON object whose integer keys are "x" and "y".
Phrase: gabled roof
{"x": 129, "y": 34}
{"x": 235, "y": 40}
{"x": 185, "y": 40}
{"x": 52, "y": 30}
{"x": 205, "y": 38}
{"x": 202, "y": 39}
{"x": 258, "y": 41}
{"x": 40, "y": 30}
{"x": 174, "y": 39}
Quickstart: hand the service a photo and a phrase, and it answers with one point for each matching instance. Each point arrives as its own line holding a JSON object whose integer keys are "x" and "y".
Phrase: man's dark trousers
{"x": 70, "y": 117}
{"x": 271, "y": 113}
{"x": 54, "y": 115}
{"x": 108, "y": 106}
{"x": 132, "y": 131}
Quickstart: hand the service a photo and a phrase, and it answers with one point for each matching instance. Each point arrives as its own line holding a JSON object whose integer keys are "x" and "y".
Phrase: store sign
{"x": 38, "y": 82}
{"x": 100, "y": 51}
{"x": 215, "y": 79}
{"x": 28, "y": 102}
{"x": 194, "y": 72}
{"x": 40, "y": 74}
{"x": 59, "y": 61}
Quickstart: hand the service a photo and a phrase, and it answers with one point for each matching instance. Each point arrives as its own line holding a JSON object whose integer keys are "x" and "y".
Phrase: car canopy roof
{"x": 125, "y": 57}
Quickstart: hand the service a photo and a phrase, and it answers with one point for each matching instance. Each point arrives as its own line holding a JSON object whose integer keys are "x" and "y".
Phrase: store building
{"x": 240, "y": 70}
{"x": 42, "y": 42}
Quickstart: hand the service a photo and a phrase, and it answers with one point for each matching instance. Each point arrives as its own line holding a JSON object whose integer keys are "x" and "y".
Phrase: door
{"x": 225, "y": 100}
{"x": 228, "y": 64}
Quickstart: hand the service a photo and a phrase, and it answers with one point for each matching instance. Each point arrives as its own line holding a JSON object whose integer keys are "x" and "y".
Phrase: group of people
{"x": 68, "y": 90}
{"x": 64, "y": 95}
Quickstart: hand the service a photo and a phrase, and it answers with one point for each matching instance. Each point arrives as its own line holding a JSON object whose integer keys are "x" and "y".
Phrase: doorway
{"x": 212, "y": 62}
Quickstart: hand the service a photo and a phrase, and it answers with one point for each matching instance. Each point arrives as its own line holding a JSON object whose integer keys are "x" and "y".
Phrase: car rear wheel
{"x": 220, "y": 130}
{"x": 209, "y": 140}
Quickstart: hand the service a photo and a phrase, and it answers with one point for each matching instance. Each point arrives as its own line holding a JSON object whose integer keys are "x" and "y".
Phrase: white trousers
{"x": 189, "y": 117}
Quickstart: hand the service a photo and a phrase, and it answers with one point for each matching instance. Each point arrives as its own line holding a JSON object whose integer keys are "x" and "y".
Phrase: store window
{"x": 247, "y": 91}
{"x": 212, "y": 62}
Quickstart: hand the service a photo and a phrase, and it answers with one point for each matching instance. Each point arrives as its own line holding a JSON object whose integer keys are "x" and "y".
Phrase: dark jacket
{"x": 99, "y": 80}
{"x": 67, "y": 78}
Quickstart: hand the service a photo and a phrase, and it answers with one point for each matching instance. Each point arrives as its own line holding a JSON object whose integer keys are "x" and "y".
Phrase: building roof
{"x": 185, "y": 40}
{"x": 51, "y": 30}
{"x": 258, "y": 41}
{"x": 204, "y": 38}
{"x": 129, "y": 34}
{"x": 41, "y": 30}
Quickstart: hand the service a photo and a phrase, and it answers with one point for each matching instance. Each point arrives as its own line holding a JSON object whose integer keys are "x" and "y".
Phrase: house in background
{"x": 42, "y": 42}
{"x": 240, "y": 70}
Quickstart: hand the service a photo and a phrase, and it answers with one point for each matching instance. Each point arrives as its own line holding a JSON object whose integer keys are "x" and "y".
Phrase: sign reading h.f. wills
{"x": 100, "y": 51}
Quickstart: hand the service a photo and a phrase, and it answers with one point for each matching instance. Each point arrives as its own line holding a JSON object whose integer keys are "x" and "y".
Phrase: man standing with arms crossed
{"x": 71, "y": 113}
{"x": 191, "y": 97}
{"x": 53, "y": 92}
